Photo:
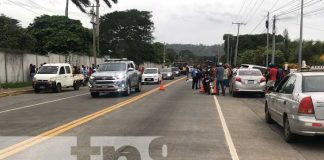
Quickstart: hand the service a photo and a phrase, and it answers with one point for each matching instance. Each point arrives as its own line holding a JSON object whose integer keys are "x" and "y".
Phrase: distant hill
{"x": 198, "y": 50}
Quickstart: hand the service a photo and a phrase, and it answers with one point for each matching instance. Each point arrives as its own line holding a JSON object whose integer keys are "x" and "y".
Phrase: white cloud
{"x": 183, "y": 21}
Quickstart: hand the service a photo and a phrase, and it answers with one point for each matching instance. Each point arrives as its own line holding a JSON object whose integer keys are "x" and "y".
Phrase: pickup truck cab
{"x": 115, "y": 76}
{"x": 56, "y": 76}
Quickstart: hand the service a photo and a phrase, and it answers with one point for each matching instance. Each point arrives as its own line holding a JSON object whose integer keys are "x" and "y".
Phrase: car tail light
{"x": 238, "y": 79}
{"x": 306, "y": 106}
{"x": 262, "y": 80}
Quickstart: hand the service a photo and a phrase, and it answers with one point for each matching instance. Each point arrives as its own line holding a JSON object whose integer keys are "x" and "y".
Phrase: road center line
{"x": 228, "y": 137}
{"x": 11, "y": 150}
{"x": 38, "y": 104}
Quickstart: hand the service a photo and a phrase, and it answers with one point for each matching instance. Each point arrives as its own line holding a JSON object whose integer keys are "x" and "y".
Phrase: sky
{"x": 192, "y": 21}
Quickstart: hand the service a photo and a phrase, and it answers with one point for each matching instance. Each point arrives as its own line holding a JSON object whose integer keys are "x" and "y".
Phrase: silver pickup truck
{"x": 116, "y": 76}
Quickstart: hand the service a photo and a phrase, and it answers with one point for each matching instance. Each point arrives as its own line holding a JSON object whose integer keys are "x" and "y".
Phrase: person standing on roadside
{"x": 272, "y": 76}
{"x": 195, "y": 77}
{"x": 220, "y": 78}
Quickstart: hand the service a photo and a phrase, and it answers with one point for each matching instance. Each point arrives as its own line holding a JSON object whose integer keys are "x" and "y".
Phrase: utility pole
{"x": 67, "y": 8}
{"x": 301, "y": 36}
{"x": 231, "y": 53}
{"x": 164, "y": 54}
{"x": 228, "y": 54}
{"x": 273, "y": 40}
{"x": 97, "y": 24}
{"x": 237, "y": 40}
{"x": 218, "y": 56}
{"x": 267, "y": 26}
{"x": 94, "y": 35}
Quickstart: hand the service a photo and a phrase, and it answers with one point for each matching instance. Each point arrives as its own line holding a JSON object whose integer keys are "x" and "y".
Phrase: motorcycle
{"x": 209, "y": 83}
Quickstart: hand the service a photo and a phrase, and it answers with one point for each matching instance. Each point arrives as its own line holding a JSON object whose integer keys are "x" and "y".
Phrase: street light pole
{"x": 273, "y": 40}
{"x": 301, "y": 35}
{"x": 94, "y": 35}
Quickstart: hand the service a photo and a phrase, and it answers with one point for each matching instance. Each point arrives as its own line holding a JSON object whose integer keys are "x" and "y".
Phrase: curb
{"x": 15, "y": 93}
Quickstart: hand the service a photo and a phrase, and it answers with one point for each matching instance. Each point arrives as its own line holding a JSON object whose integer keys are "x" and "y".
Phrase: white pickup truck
{"x": 56, "y": 76}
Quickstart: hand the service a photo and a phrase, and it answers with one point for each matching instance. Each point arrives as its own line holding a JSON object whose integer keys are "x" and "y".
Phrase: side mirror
{"x": 131, "y": 69}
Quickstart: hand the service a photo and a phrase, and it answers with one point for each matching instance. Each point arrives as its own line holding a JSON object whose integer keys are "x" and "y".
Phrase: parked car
{"x": 115, "y": 76}
{"x": 151, "y": 75}
{"x": 297, "y": 104}
{"x": 176, "y": 71}
{"x": 167, "y": 73}
{"x": 251, "y": 66}
{"x": 247, "y": 80}
{"x": 56, "y": 76}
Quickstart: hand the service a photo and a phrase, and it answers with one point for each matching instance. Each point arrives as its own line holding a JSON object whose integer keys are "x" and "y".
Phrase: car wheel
{"x": 36, "y": 90}
{"x": 58, "y": 88}
{"x": 76, "y": 86}
{"x": 95, "y": 94}
{"x": 267, "y": 114}
{"x": 139, "y": 87}
{"x": 288, "y": 135}
{"x": 128, "y": 90}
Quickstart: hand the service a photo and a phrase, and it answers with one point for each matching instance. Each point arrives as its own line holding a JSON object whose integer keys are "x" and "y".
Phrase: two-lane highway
{"x": 178, "y": 123}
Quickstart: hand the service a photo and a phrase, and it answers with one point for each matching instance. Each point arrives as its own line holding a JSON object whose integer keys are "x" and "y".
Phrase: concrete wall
{"x": 17, "y": 64}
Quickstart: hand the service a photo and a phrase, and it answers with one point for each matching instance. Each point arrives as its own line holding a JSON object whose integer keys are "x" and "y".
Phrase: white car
{"x": 151, "y": 75}
{"x": 56, "y": 76}
{"x": 297, "y": 104}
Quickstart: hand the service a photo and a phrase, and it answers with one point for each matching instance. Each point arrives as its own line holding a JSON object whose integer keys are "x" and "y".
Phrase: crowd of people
{"x": 203, "y": 74}
{"x": 223, "y": 73}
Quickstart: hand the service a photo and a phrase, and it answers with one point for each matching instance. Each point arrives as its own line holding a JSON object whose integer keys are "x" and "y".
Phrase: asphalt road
{"x": 178, "y": 123}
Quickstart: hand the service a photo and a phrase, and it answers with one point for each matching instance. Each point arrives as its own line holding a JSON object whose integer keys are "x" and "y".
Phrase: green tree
{"x": 13, "y": 35}
{"x": 127, "y": 34}
{"x": 59, "y": 34}
{"x": 258, "y": 57}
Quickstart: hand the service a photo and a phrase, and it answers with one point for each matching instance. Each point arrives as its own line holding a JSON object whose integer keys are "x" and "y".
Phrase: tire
{"x": 138, "y": 87}
{"x": 267, "y": 117}
{"x": 128, "y": 91}
{"x": 58, "y": 88}
{"x": 288, "y": 135}
{"x": 95, "y": 94}
{"x": 76, "y": 86}
{"x": 36, "y": 90}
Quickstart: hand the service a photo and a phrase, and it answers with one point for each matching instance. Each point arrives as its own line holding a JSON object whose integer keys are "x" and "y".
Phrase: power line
{"x": 21, "y": 6}
{"x": 242, "y": 6}
{"x": 251, "y": 10}
{"x": 262, "y": 20}
{"x": 257, "y": 9}
{"x": 284, "y": 6}
{"x": 246, "y": 10}
{"x": 274, "y": 5}
{"x": 307, "y": 4}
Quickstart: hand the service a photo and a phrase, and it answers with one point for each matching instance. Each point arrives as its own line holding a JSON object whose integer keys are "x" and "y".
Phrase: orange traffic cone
{"x": 202, "y": 90}
{"x": 162, "y": 88}
{"x": 215, "y": 88}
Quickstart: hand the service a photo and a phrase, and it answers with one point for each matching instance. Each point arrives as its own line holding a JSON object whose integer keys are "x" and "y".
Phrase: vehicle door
{"x": 62, "y": 76}
{"x": 274, "y": 98}
{"x": 285, "y": 100}
{"x": 130, "y": 73}
{"x": 69, "y": 79}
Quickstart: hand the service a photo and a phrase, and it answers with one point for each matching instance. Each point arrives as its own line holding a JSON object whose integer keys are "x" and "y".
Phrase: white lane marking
{"x": 228, "y": 137}
{"x": 33, "y": 105}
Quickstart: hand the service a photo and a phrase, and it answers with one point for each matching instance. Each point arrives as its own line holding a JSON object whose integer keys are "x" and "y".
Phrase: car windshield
{"x": 48, "y": 70}
{"x": 250, "y": 73}
{"x": 112, "y": 67}
{"x": 150, "y": 71}
{"x": 263, "y": 70}
{"x": 313, "y": 84}
{"x": 175, "y": 69}
{"x": 166, "y": 70}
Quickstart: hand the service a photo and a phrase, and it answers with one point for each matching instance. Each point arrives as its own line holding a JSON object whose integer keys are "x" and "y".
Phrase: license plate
{"x": 250, "y": 82}
{"x": 41, "y": 87}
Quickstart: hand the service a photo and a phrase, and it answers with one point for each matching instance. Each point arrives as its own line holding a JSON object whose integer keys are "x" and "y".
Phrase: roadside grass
{"x": 15, "y": 85}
